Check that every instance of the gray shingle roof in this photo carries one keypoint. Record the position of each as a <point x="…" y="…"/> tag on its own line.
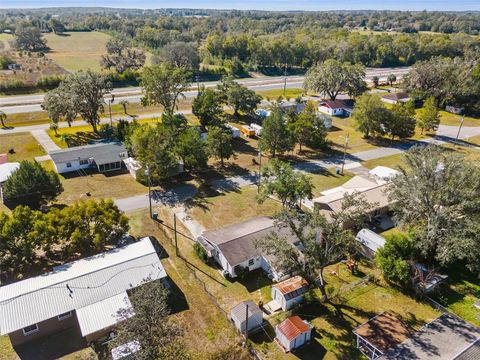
<point x="444" y="339"/>
<point x="237" y="242"/>
<point x="240" y="310"/>
<point x="103" y="153"/>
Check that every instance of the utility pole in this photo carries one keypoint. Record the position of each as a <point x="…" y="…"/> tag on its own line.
<point x="175" y="232"/>
<point x="110" y="101"/>
<point x="459" y="129"/>
<point x="197" y="78"/>
<point x="246" y="322"/>
<point x="259" y="180"/>
<point x="147" y="173"/>
<point x="345" y="152"/>
<point x="285" y="83"/>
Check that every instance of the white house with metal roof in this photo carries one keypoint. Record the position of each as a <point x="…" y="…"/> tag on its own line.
<point x="369" y="242"/>
<point x="87" y="293"/>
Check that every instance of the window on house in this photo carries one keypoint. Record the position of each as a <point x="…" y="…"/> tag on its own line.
<point x="30" y="329"/>
<point x="83" y="162"/>
<point x="69" y="164"/>
<point x="64" y="316"/>
<point x="251" y="262"/>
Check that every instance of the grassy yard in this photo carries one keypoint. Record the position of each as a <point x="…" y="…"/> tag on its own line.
<point x="358" y="301"/>
<point x="224" y="209"/>
<point x="274" y="94"/>
<point x="206" y="329"/>
<point x="460" y="293"/>
<point x="6" y="350"/>
<point x="99" y="186"/>
<point x="24" y="144"/>
<point x="5" y="40"/>
<point x="447" y="118"/>
<point x="327" y="180"/>
<point x="77" y="50"/>
<point x="392" y="161"/>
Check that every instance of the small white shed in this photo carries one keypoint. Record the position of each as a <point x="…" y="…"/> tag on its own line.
<point x="290" y="292"/>
<point x="293" y="333"/>
<point x="370" y="242"/>
<point x="239" y="316"/>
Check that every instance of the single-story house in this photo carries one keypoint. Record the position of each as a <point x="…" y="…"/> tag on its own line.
<point x="290" y="292"/>
<point x="395" y="98"/>
<point x="293" y="333"/>
<point x="291" y="106"/>
<point x="335" y="107"/>
<point x="86" y="294"/>
<point x="446" y="338"/>
<point x="6" y="170"/>
<point x="370" y="242"/>
<point x="234" y="247"/>
<point x="376" y="195"/>
<point x="247" y="312"/>
<point x="103" y="157"/>
<point x="381" y="333"/>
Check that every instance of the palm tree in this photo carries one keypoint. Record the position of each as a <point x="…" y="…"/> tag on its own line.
<point x="124" y="103"/>
<point x="3" y="117"/>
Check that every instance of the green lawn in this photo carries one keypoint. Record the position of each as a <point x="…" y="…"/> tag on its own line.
<point x="227" y="208"/>
<point x="5" y="40"/>
<point x="447" y="118"/>
<point x="274" y="94"/>
<point x="112" y="185"/>
<point x="358" y="301"/>
<point x="460" y="293"/>
<point x="327" y="180"/>
<point x="6" y="350"/>
<point x="392" y="161"/>
<point x="25" y="146"/>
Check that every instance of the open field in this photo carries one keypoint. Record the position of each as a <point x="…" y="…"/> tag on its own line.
<point x="76" y="51"/>
<point x="24" y="145"/>
<point x="5" y="41"/>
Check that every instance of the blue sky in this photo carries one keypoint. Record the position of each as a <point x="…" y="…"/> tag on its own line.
<point x="259" y="4"/>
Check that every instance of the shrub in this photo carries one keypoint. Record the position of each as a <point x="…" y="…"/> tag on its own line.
<point x="200" y="252"/>
<point x="392" y="259"/>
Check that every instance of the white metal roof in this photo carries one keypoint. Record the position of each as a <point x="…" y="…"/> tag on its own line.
<point x="78" y="284"/>
<point x="7" y="169"/>
<point x="383" y="172"/>
<point x="103" y="314"/>
<point x="370" y="239"/>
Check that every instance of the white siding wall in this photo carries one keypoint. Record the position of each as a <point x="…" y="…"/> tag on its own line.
<point x="292" y="302"/>
<point x="389" y="101"/>
<point x="295" y="343"/>
<point x="254" y="321"/>
<point x="286" y="304"/>
<point x="325" y="110"/>
<point x="62" y="167"/>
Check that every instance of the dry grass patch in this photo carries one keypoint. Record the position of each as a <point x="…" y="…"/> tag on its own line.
<point x="25" y="146"/>
<point x="229" y="208"/>
<point x="113" y="185"/>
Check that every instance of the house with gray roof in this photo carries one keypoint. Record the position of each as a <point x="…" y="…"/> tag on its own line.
<point x="86" y="294"/>
<point x="234" y="247"/>
<point x="102" y="157"/>
<point x="446" y="338"/>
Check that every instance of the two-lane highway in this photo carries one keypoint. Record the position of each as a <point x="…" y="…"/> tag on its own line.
<point x="31" y="103"/>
